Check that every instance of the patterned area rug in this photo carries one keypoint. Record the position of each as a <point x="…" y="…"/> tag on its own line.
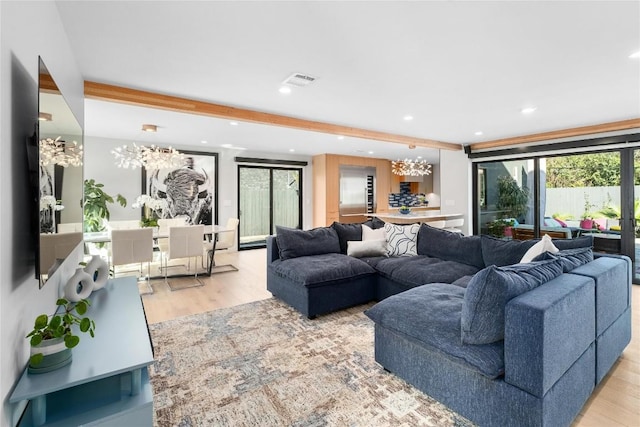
<point x="263" y="364"/>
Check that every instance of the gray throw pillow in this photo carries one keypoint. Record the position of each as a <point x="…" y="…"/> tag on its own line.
<point x="449" y="246"/>
<point x="295" y="243"/>
<point x="579" y="242"/>
<point x="489" y="291"/>
<point x="569" y="258"/>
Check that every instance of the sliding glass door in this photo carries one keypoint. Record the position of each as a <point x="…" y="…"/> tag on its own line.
<point x="565" y="196"/>
<point x="267" y="197"/>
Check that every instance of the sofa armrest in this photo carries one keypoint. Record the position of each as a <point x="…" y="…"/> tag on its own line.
<point x="273" y="252"/>
<point x="547" y="330"/>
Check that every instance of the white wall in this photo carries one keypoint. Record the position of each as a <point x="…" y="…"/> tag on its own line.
<point x="455" y="185"/>
<point x="100" y="165"/>
<point x="27" y="29"/>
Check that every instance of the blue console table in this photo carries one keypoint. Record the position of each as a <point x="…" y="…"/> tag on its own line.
<point x="107" y="382"/>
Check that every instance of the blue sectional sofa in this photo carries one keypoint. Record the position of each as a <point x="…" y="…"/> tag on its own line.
<point x="501" y="343"/>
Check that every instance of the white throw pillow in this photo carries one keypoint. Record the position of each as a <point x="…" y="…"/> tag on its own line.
<point x="362" y="248"/>
<point x="370" y="234"/>
<point x="401" y="239"/>
<point x="544" y="245"/>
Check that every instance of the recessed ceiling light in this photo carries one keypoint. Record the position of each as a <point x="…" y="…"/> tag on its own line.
<point x="370" y="152"/>
<point x="286" y="90"/>
<point x="340" y="137"/>
<point x="408" y="117"/>
<point x="419" y="157"/>
<point x="528" y="110"/>
<point x="203" y="142"/>
<point x="635" y="55"/>
<point x="478" y="133"/>
<point x="150" y="128"/>
<point x="233" y="123"/>
<point x="45" y="117"/>
<point x="226" y="145"/>
<point x="291" y="150"/>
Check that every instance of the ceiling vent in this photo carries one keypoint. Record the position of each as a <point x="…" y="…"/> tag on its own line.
<point x="299" y="80"/>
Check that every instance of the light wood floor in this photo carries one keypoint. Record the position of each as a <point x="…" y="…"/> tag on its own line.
<point x="616" y="401"/>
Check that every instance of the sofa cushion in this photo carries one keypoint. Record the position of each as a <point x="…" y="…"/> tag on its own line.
<point x="366" y="248"/>
<point x="418" y="270"/>
<point x="295" y="243"/>
<point x="503" y="252"/>
<point x="320" y="270"/>
<point x="569" y="258"/>
<point x="430" y="315"/>
<point x="369" y="233"/>
<point x="491" y="289"/>
<point x="463" y="282"/>
<point x="401" y="239"/>
<point x="579" y="242"/>
<point x="450" y="246"/>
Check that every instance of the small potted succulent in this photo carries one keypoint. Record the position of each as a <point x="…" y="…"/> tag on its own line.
<point x="52" y="337"/>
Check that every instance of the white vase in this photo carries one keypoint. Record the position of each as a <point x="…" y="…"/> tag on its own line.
<point x="79" y="286"/>
<point x="98" y="269"/>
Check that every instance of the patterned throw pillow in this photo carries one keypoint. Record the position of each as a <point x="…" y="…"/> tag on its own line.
<point x="401" y="239"/>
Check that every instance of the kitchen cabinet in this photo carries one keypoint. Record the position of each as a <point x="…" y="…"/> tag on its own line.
<point x="326" y="185"/>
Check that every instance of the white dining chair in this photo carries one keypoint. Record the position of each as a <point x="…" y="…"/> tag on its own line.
<point x="454" y="225"/>
<point x="222" y="241"/>
<point x="132" y="246"/>
<point x="70" y="227"/>
<point x="437" y="224"/>
<point x="184" y="242"/>
<point x="54" y="247"/>
<point x="124" y="225"/>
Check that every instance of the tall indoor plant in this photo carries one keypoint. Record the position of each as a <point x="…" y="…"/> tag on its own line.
<point x="96" y="209"/>
<point x="512" y="199"/>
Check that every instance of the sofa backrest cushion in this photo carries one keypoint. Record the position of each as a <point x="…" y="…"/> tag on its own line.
<point x="490" y="290"/>
<point x="448" y="246"/>
<point x="401" y="239"/>
<point x="579" y="242"/>
<point x="295" y="243"/>
<point x="569" y="258"/>
<point x="501" y="252"/>
<point x="347" y="232"/>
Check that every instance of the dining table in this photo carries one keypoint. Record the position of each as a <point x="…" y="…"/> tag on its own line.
<point x="210" y="231"/>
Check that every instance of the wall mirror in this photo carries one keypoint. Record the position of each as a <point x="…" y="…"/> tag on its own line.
<point x="60" y="158"/>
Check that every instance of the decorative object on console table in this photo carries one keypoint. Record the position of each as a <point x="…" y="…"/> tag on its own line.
<point x="79" y="286"/>
<point x="52" y="338"/>
<point x="98" y="270"/>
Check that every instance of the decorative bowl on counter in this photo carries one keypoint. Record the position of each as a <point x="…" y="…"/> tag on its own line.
<point x="404" y="210"/>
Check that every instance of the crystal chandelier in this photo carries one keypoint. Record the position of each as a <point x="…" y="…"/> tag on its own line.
<point x="147" y="157"/>
<point x="411" y="167"/>
<point x="57" y="152"/>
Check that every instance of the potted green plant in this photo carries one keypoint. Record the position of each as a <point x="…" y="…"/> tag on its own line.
<point x="404" y="209"/>
<point x="500" y="227"/>
<point x="512" y="199"/>
<point x="96" y="208"/>
<point x="586" y="220"/>
<point x="53" y="337"/>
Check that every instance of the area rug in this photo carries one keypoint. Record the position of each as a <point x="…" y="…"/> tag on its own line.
<point x="263" y="364"/>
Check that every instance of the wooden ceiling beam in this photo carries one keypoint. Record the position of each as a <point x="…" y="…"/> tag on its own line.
<point x="557" y="134"/>
<point x="105" y="92"/>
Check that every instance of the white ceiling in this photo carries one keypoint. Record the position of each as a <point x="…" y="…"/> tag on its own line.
<point x="458" y="67"/>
